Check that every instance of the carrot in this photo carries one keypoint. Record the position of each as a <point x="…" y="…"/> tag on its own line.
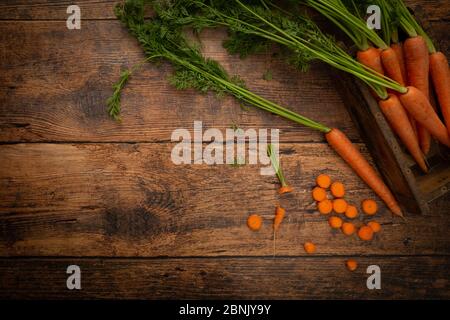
<point x="371" y="58"/>
<point x="417" y="63"/>
<point x="335" y="222"/>
<point x="339" y="205"/>
<point x="323" y="181"/>
<point x="369" y="207"/>
<point x="338" y="189"/>
<point x="391" y="65"/>
<point x="351" y="265"/>
<point x="398" y="48"/>
<point x="279" y="216"/>
<point x="440" y="75"/>
<point x="348" y="228"/>
<point x="344" y="147"/>
<point x="285" y="189"/>
<point x="376" y="227"/>
<point x="351" y="212"/>
<point x="325" y="206"/>
<point x="309" y="247"/>
<point x="417" y="66"/>
<point x="416" y="103"/>
<point x="254" y="222"/>
<point x="399" y="121"/>
<point x="365" y="233"/>
<point x="319" y="194"/>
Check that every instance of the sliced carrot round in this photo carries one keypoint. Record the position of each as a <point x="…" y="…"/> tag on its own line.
<point x="254" y="222"/>
<point x="339" y="205"/>
<point x="351" y="264"/>
<point x="335" y="222"/>
<point x="351" y="212"/>
<point x="323" y="181"/>
<point x="348" y="228"/>
<point x="369" y="207"/>
<point x="365" y="233"/>
<point x="319" y="194"/>
<point x="337" y="189"/>
<point x="310" y="247"/>
<point x="325" y="206"/>
<point x="376" y="227"/>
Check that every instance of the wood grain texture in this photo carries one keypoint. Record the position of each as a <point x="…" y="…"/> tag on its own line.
<point x="103" y="9"/>
<point x="226" y="278"/>
<point x="50" y="93"/>
<point x="130" y="200"/>
<point x="78" y="188"/>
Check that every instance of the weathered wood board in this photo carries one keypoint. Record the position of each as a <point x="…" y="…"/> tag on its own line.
<point x="78" y="188"/>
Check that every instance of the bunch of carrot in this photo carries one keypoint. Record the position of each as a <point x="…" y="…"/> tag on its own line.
<point x="410" y="114"/>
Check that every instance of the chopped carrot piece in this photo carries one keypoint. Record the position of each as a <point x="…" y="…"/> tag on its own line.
<point x="339" y="205"/>
<point x="351" y="212"/>
<point x="335" y="222"/>
<point x="348" y="228"/>
<point x="369" y="207"/>
<point x="376" y="227"/>
<point x="323" y="181"/>
<point x="337" y="189"/>
<point x="351" y="264"/>
<point x="254" y="222"/>
<point x="309" y="247"/>
<point x="325" y="206"/>
<point x="285" y="189"/>
<point x="319" y="194"/>
<point x="365" y="233"/>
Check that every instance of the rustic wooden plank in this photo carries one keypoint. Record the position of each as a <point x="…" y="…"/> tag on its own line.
<point x="95" y="9"/>
<point x="227" y="278"/>
<point x="54" y="85"/>
<point x="131" y="200"/>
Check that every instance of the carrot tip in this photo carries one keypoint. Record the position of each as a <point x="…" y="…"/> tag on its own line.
<point x="285" y="189"/>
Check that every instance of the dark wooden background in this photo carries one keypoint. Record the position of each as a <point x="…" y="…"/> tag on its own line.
<point x="79" y="188"/>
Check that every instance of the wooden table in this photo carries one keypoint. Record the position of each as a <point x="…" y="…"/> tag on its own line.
<point x="77" y="188"/>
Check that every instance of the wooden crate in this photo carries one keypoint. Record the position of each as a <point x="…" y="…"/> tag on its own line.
<point x="414" y="190"/>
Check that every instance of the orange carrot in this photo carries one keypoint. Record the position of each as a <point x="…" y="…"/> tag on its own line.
<point x="376" y="227"/>
<point x="417" y="63"/>
<point x="365" y="233"/>
<point x="391" y="65"/>
<point x="337" y="189"/>
<point x="325" y="206"/>
<point x="309" y="247"/>
<point x="254" y="222"/>
<point x="369" y="207"/>
<point x="323" y="181"/>
<point x="279" y="216"/>
<point x="351" y="264"/>
<point x="348" y="228"/>
<point x="339" y="205"/>
<point x="285" y="189"/>
<point x="417" y="104"/>
<point x="371" y="58"/>
<point x="351" y="212"/>
<point x="398" y="48"/>
<point x="344" y="147"/>
<point x="335" y="222"/>
<point x="319" y="194"/>
<point x="440" y="75"/>
<point x="399" y="121"/>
